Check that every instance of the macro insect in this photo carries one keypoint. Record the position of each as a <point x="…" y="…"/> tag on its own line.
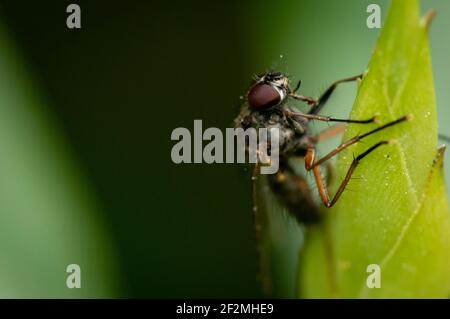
<point x="267" y="106"/>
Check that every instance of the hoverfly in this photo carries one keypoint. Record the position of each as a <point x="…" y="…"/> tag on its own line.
<point x="266" y="106"/>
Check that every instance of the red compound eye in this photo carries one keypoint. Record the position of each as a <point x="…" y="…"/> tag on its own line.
<point x="263" y="96"/>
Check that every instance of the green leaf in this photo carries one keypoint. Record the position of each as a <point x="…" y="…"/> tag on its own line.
<point x="394" y="212"/>
<point x="48" y="217"/>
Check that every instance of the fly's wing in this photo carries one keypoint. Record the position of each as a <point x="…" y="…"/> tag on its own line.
<point x="281" y="238"/>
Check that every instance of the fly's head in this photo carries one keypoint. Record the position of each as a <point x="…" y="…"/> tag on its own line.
<point x="268" y="91"/>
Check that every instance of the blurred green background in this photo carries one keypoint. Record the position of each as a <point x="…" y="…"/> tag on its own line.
<point x="85" y="123"/>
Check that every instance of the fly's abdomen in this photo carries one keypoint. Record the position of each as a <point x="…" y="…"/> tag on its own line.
<point x="293" y="192"/>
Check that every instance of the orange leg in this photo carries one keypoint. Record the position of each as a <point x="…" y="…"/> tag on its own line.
<point x="322" y="187"/>
<point x="356" y="139"/>
<point x="329" y="133"/>
<point x="312" y="164"/>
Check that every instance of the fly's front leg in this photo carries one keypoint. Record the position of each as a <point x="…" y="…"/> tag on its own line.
<point x="318" y="104"/>
<point x="322" y="118"/>
<point x="307" y="99"/>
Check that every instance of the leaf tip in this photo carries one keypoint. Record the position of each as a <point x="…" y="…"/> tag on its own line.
<point x="439" y="159"/>
<point x="441" y="152"/>
<point x="428" y="18"/>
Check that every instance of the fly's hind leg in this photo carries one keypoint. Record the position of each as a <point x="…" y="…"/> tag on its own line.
<point x="322" y="187"/>
<point x="312" y="164"/>
<point x="323" y="192"/>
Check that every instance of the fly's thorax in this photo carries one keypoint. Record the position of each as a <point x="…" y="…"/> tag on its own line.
<point x="291" y="134"/>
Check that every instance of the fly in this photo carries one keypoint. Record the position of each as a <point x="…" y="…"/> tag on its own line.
<point x="266" y="106"/>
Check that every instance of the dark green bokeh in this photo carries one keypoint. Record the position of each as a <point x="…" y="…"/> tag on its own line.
<point x="135" y="71"/>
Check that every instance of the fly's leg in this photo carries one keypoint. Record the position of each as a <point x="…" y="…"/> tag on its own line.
<point x="312" y="164"/>
<point x="356" y="139"/>
<point x="322" y="118"/>
<point x="296" y="87"/>
<point x="324" y="135"/>
<point x="323" y="190"/>
<point x="328" y="133"/>
<point x="318" y="104"/>
<point x="307" y="99"/>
